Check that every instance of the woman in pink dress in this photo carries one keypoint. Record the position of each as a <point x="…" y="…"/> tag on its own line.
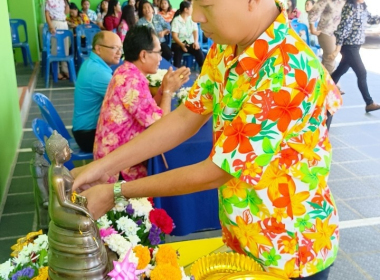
<point x="128" y="107"/>
<point x="127" y="21"/>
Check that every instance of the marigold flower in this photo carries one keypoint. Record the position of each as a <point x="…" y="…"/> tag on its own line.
<point x="167" y="255"/>
<point x="42" y="273"/>
<point x="143" y="254"/>
<point x="166" y="272"/>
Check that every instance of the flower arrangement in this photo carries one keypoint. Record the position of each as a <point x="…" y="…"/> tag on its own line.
<point x="155" y="80"/>
<point x="133" y="229"/>
<point x="30" y="259"/>
<point x="182" y="94"/>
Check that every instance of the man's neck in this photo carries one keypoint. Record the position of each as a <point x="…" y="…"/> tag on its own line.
<point x="271" y="12"/>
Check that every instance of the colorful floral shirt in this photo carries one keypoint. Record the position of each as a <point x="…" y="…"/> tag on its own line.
<point x="81" y="19"/>
<point x="352" y="25"/>
<point x="168" y="17"/>
<point x="127" y="110"/>
<point x="56" y="9"/>
<point x="269" y="107"/>
<point x="328" y="13"/>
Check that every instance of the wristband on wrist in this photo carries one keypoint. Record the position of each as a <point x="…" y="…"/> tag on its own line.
<point x="118" y="196"/>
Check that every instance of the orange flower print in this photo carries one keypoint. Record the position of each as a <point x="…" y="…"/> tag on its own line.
<point x="257" y="56"/>
<point x="286" y="109"/>
<point x="305" y="85"/>
<point x="309" y="145"/>
<point x="287" y="244"/>
<point x="288" y="157"/>
<point x="284" y="50"/>
<point x="291" y="200"/>
<point x="235" y="187"/>
<point x="231" y="241"/>
<point x="250" y="235"/>
<point x="322" y="235"/>
<point x="238" y="134"/>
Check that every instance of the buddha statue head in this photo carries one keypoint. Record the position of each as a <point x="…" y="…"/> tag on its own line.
<point x="57" y="148"/>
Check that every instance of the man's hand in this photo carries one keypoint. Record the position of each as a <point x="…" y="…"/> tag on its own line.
<point x="100" y="199"/>
<point x="173" y="80"/>
<point x="196" y="46"/>
<point x="89" y="175"/>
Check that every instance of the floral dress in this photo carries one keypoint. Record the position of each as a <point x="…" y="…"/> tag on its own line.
<point x="127" y="110"/>
<point x="269" y="107"/>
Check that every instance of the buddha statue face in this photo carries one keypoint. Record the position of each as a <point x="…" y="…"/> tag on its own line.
<point x="38" y="147"/>
<point x="57" y="148"/>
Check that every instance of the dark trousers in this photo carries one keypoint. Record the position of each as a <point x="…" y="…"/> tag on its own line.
<point x="178" y="53"/>
<point x="323" y="275"/>
<point x="85" y="139"/>
<point x="166" y="51"/>
<point x="351" y="58"/>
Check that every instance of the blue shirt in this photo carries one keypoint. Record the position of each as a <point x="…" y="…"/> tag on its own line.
<point x="90" y="88"/>
<point x="158" y="24"/>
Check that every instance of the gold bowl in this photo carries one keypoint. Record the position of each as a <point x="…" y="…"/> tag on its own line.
<point x="217" y="266"/>
<point x="255" y="275"/>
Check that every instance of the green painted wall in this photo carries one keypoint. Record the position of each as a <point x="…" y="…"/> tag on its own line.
<point x="26" y="10"/>
<point x="10" y="122"/>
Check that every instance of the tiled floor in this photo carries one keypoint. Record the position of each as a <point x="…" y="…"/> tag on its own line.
<point x="354" y="179"/>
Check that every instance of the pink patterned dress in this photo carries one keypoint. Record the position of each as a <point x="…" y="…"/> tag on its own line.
<point x="127" y="110"/>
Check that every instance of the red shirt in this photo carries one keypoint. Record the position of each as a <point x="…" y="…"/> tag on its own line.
<point x="111" y="22"/>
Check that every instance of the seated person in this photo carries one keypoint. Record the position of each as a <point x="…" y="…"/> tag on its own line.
<point x="304" y="19"/>
<point x="185" y="35"/>
<point x="112" y="18"/>
<point x="91" y="86"/>
<point x="76" y="17"/>
<point x="87" y="11"/>
<point x="127" y="21"/>
<point x="129" y="108"/>
<point x="166" y="11"/>
<point x="292" y="10"/>
<point x="149" y="18"/>
<point x="102" y="13"/>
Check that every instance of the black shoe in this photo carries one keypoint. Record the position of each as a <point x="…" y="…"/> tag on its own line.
<point x="372" y="107"/>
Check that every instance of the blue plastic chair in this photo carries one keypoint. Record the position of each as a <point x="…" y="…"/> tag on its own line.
<point x="60" y="36"/>
<point x="84" y="35"/>
<point x="16" y="41"/>
<point x="42" y="130"/>
<point x="45" y="30"/>
<point x="298" y="27"/>
<point x="51" y="116"/>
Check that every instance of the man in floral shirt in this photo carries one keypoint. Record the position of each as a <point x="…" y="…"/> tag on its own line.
<point x="268" y="96"/>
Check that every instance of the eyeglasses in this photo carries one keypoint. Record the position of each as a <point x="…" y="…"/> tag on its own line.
<point x="151" y="51"/>
<point x="113" y="48"/>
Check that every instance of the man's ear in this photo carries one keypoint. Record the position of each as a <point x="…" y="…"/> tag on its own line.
<point x="142" y="56"/>
<point x="97" y="49"/>
<point x="252" y="4"/>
